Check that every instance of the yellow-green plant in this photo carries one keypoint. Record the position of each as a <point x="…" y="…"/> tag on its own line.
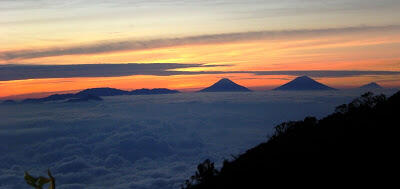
<point x="38" y="182"/>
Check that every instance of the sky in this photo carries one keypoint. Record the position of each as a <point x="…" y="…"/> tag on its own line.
<point x="191" y="44"/>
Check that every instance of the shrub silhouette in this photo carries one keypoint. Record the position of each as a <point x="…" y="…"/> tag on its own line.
<point x="358" y="140"/>
<point x="205" y="171"/>
<point x="38" y="182"/>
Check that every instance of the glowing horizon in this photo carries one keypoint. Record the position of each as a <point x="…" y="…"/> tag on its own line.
<point x="231" y="36"/>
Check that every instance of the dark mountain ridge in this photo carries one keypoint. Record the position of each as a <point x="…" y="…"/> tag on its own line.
<point x="99" y="92"/>
<point x="102" y="92"/>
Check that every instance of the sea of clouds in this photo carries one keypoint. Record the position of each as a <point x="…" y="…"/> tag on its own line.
<point x="153" y="141"/>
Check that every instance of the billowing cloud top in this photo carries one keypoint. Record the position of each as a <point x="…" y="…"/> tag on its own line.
<point x="142" y="142"/>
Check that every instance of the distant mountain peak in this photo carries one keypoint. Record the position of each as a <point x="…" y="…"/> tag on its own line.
<point x="371" y="85"/>
<point x="303" y="83"/>
<point x="304" y="77"/>
<point x="225" y="85"/>
<point x="226" y="81"/>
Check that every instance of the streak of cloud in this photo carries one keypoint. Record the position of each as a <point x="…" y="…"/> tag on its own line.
<point x="134" y="45"/>
<point x="20" y="72"/>
<point x="328" y="73"/>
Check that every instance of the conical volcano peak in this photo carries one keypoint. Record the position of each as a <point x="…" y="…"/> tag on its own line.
<point x="225" y="85"/>
<point x="304" y="83"/>
<point x="371" y="85"/>
<point x="304" y="77"/>
<point x="225" y="81"/>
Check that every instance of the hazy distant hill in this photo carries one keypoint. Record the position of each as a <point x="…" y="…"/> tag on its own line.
<point x="303" y="83"/>
<point x="102" y="92"/>
<point x="153" y="91"/>
<point x="85" y="98"/>
<point x="6" y="102"/>
<point x="372" y="85"/>
<point x="355" y="145"/>
<point x="225" y="85"/>
<point x="98" y="92"/>
<point x="54" y="97"/>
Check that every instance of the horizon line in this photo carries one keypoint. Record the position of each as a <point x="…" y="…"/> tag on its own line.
<point x="262" y="88"/>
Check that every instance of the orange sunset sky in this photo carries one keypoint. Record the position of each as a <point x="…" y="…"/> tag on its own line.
<point x="247" y="41"/>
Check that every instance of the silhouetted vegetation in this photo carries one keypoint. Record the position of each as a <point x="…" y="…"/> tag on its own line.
<point x="359" y="140"/>
<point x="205" y="171"/>
<point x="39" y="182"/>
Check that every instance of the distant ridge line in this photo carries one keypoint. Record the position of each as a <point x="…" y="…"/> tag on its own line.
<point x="98" y="92"/>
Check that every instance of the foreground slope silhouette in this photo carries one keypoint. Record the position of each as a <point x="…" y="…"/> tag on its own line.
<point x="225" y="85"/>
<point x="303" y="83"/>
<point x="354" y="145"/>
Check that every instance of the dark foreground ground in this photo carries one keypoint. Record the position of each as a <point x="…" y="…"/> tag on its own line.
<point x="354" y="146"/>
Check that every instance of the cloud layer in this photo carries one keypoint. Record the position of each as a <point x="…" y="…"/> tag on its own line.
<point x="107" y="47"/>
<point x="142" y="142"/>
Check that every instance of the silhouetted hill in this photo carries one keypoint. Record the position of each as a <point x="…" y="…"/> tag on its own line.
<point x="372" y="85"/>
<point x="102" y="92"/>
<point x="356" y="145"/>
<point x="54" y="97"/>
<point x="303" y="83"/>
<point x="86" y="98"/>
<point x="8" y="102"/>
<point x="99" y="92"/>
<point x="153" y="91"/>
<point x="225" y="85"/>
